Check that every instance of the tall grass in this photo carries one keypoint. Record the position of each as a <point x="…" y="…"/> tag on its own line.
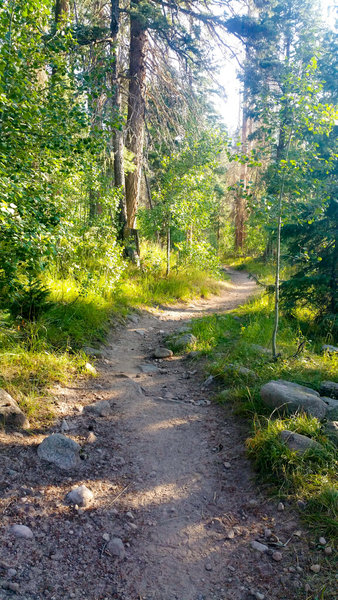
<point x="34" y="356"/>
<point x="242" y="339"/>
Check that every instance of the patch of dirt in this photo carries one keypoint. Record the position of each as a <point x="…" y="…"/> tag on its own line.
<point x="156" y="468"/>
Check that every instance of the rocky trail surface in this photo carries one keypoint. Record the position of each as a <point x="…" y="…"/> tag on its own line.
<point x="172" y="511"/>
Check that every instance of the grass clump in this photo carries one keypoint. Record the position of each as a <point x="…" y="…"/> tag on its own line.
<point x="310" y="476"/>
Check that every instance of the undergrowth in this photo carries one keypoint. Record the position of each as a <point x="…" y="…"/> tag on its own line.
<point x="35" y="355"/>
<point x="242" y="338"/>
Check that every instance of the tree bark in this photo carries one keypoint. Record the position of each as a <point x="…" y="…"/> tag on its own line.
<point x="119" y="177"/>
<point x="61" y="10"/>
<point x="240" y="202"/>
<point x="136" y="107"/>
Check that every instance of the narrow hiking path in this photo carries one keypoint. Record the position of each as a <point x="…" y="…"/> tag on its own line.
<point x="170" y="479"/>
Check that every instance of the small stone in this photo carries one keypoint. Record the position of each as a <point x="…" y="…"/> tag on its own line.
<point x="102" y="408"/>
<point x="280" y="506"/>
<point x="297" y="533"/>
<point x="299" y="569"/>
<point x="259" y="596"/>
<point x="322" y="541"/>
<point x="267" y="533"/>
<point x="93" y="352"/>
<point x="82" y="496"/>
<point x="227" y="465"/>
<point x="60" y="450"/>
<point x="307" y="588"/>
<point x="315" y="568"/>
<point x="208" y="567"/>
<point x="230" y="534"/>
<point x="10" y="413"/>
<point x="13" y="587"/>
<point x="130" y="515"/>
<point x="259" y="547"/>
<point x="64" y="425"/>
<point x="91" y="438"/>
<point x="163" y="353"/>
<point x="277" y="556"/>
<point x="292" y="570"/>
<point x="116" y="548"/>
<point x="328" y="550"/>
<point x="208" y="381"/>
<point x="106" y="537"/>
<point x="11" y="572"/>
<point x="90" y="369"/>
<point x="22" y="531"/>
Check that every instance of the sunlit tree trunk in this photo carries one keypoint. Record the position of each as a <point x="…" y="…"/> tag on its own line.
<point x="136" y="107"/>
<point x="118" y="144"/>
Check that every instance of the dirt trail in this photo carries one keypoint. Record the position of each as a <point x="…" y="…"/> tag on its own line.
<point x="160" y="456"/>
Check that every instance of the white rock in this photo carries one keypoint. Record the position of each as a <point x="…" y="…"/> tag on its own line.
<point x="90" y="369"/>
<point x="106" y="537"/>
<point x="328" y="550"/>
<point x="81" y="495"/>
<point x="280" y="506"/>
<point x="322" y="541"/>
<point x="22" y="531"/>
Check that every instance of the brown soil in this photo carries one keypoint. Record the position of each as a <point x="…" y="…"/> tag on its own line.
<point x="160" y="456"/>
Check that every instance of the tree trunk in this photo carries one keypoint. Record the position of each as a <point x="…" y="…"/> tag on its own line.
<point x="119" y="177"/>
<point x="61" y="10"/>
<point x="136" y="106"/>
<point x="240" y="202"/>
<point x="168" y="250"/>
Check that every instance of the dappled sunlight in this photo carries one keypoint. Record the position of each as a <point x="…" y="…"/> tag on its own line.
<point x="170" y="423"/>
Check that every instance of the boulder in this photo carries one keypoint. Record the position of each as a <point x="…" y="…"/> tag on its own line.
<point x="184" y="340"/>
<point x="331" y="430"/>
<point x="102" y="408"/>
<point x="163" y="353"/>
<point x="290" y="397"/>
<point x="94" y="352"/>
<point x="298" y="442"/>
<point x="10" y="413"/>
<point x="329" y="349"/>
<point x="332" y="408"/>
<point x="81" y="495"/>
<point x="60" y="450"/>
<point x="329" y="388"/>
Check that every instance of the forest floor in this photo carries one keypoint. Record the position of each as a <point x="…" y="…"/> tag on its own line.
<point x="170" y="478"/>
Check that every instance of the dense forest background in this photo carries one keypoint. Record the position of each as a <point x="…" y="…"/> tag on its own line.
<point x="109" y="142"/>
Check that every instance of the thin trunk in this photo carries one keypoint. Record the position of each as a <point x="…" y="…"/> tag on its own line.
<point x="240" y="202"/>
<point x="277" y="281"/>
<point x="168" y="250"/>
<point x="136" y="106"/>
<point x="151" y="206"/>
